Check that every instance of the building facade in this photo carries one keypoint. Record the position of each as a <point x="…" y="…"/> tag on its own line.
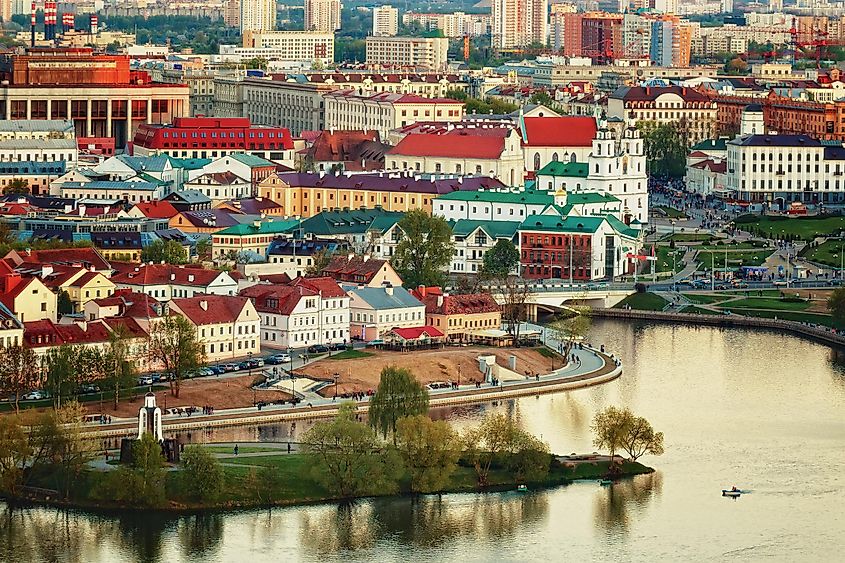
<point x="385" y="21"/>
<point x="519" y="23"/>
<point x="418" y="53"/>
<point x="257" y="15"/>
<point x="322" y="15"/>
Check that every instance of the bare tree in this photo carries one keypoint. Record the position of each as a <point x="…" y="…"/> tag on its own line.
<point x="515" y="296"/>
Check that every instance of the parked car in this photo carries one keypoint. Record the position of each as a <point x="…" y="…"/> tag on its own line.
<point x="145" y="380"/>
<point x="88" y="388"/>
<point x="740" y="284"/>
<point x="779" y="283"/>
<point x="35" y="396"/>
<point x="229" y="367"/>
<point x="258" y="362"/>
<point x="338" y="346"/>
<point x="277" y="359"/>
<point x="215" y="370"/>
<point x="317" y="349"/>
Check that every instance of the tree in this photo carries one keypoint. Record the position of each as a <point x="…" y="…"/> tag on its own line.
<point x="145" y="483"/>
<point x="120" y="373"/>
<point x="173" y="343"/>
<point x="836" y="304"/>
<point x="610" y="427"/>
<point x="640" y="439"/>
<point x="485" y="442"/>
<point x="399" y="394"/>
<point x="430" y="451"/>
<point x="18" y="186"/>
<point x="202" y="475"/>
<point x="346" y="457"/>
<point x="567" y="330"/>
<point x="64" y="306"/>
<point x="167" y="251"/>
<point x="515" y="296"/>
<point x="529" y="457"/>
<point x="425" y="249"/>
<point x="18" y="371"/>
<point x="15" y="452"/>
<point x="500" y="260"/>
<point x="736" y="66"/>
<point x="319" y="261"/>
<point x="59" y="366"/>
<point x="665" y="148"/>
<point x="71" y="449"/>
<point x="203" y="249"/>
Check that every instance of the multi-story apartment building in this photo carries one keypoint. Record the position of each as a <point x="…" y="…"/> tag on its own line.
<point x="457" y="24"/>
<point x="385" y="21"/>
<point x="557" y="25"/>
<point x="419" y="53"/>
<point x="298" y="107"/>
<point x="282" y="46"/>
<point x="519" y="23"/>
<point x="322" y="15"/>
<point x="257" y="15"/>
<point x="694" y="112"/>
<point x="99" y="93"/>
<point x="823" y="121"/>
<point x="383" y="112"/>
<point x="671" y="40"/>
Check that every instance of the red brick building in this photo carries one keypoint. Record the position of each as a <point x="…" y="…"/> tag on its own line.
<point x="823" y="121"/>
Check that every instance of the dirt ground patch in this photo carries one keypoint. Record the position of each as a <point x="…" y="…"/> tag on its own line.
<point x="445" y="364"/>
<point x="222" y="393"/>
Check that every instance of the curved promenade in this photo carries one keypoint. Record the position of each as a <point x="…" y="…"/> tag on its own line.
<point x="595" y="368"/>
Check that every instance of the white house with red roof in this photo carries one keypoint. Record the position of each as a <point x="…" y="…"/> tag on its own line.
<point x="301" y="313"/>
<point x="485" y="150"/>
<point x="89" y="258"/>
<point x="556" y="139"/>
<point x="26" y="296"/>
<point x="376" y="310"/>
<point x="166" y="281"/>
<point x="227" y="325"/>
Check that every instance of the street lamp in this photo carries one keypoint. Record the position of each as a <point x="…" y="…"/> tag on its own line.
<point x="249" y="363"/>
<point x="336" y="377"/>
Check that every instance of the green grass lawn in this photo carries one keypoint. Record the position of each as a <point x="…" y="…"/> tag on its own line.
<point x="671" y="212"/>
<point x="757" y="292"/>
<point x="765" y="303"/>
<point x="241" y="449"/>
<point x="805" y="228"/>
<point x="643" y="302"/>
<point x="664" y="260"/>
<point x="108" y="397"/>
<point x="828" y="253"/>
<point x="691" y="237"/>
<point x="732" y="247"/>
<point x="692" y="309"/>
<point x="815" y="318"/>
<point x="735" y="259"/>
<point x="547" y="352"/>
<point x="350" y="355"/>
<point x="704" y="298"/>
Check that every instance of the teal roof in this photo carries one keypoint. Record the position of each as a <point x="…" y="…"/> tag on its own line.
<point x="151" y="179"/>
<point x="559" y="224"/>
<point x="353" y="221"/>
<point x="144" y="163"/>
<point x="495" y="229"/>
<point x="188" y="163"/>
<point x="622" y="228"/>
<point x="265" y="228"/>
<point x="586" y="198"/>
<point x="572" y="169"/>
<point x="719" y="144"/>
<point x="378" y="298"/>
<point x="250" y="159"/>
<point x="528" y="197"/>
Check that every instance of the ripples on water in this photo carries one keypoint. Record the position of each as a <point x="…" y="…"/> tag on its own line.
<point x="758" y="410"/>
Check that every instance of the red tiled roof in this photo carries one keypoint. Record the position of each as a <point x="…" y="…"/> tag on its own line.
<point x="466" y="304"/>
<point x="161" y="274"/>
<point x="275" y="278"/>
<point x="63" y="256"/>
<point x="450" y="146"/>
<point x="217" y="308"/>
<point x="277" y="299"/>
<point x="131" y="304"/>
<point x="565" y="131"/>
<point x="129" y="324"/>
<point x="46" y="333"/>
<point x="157" y="209"/>
<point x="355" y="270"/>
<point x="698" y="154"/>
<point x="718" y="167"/>
<point x="415" y="332"/>
<point x="324" y="285"/>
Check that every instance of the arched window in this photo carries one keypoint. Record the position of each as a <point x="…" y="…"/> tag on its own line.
<point x="536" y="161"/>
<point x="572" y="158"/>
<point x="554" y="157"/>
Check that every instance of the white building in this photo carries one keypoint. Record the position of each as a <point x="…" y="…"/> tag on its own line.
<point x="376" y="310"/>
<point x="165" y="281"/>
<point x="39" y="150"/>
<point x="257" y="15"/>
<point x="519" y="23"/>
<point x="220" y="186"/>
<point x="227" y="326"/>
<point x="385" y="21"/>
<point x="419" y="53"/>
<point x="306" y="46"/>
<point x="305" y="312"/>
<point x="322" y="15"/>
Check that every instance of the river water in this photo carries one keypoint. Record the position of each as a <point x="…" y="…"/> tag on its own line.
<point x="758" y="410"/>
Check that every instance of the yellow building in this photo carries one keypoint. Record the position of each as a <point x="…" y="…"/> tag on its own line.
<point x="253" y="237"/>
<point x="465" y="317"/>
<point x="26" y="297"/>
<point x="306" y="194"/>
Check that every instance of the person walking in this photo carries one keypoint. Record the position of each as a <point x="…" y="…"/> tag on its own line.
<point x="236" y="449"/>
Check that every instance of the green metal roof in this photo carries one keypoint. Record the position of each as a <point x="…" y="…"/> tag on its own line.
<point x="570" y="169"/>
<point x="586" y="198"/>
<point x="622" y="228"/>
<point x="528" y="197"/>
<point x="558" y="224"/>
<point x="494" y="229"/>
<point x="250" y="159"/>
<point x="351" y="221"/>
<point x="188" y="163"/>
<point x="719" y="144"/>
<point x="266" y="228"/>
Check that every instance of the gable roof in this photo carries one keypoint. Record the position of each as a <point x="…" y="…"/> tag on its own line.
<point x="211" y="309"/>
<point x="494" y="229"/>
<point x="379" y="298"/>
<point x="350" y="221"/>
<point x="157" y="209"/>
<point x="164" y="274"/>
<point x="275" y="298"/>
<point x="86" y="257"/>
<point x="569" y="169"/>
<point x="323" y="285"/>
<point x="355" y="269"/>
<point x="564" y="131"/>
<point x="265" y="227"/>
<point x="415" y="332"/>
<point x="450" y="146"/>
<point x="464" y="304"/>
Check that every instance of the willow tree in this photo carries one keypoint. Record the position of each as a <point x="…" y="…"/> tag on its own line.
<point x="399" y="394"/>
<point x="174" y="344"/>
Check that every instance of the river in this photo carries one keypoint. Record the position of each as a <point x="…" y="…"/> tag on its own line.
<point x="755" y="409"/>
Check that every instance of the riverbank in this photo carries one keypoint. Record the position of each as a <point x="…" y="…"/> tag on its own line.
<point x="821" y="334"/>
<point x="292" y="486"/>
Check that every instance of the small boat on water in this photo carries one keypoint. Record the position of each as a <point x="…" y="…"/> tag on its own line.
<point x="732" y="493"/>
<point x="605" y="482"/>
<point x="521" y="489"/>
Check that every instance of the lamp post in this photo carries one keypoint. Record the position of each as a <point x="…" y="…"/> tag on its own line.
<point x="249" y="362"/>
<point x="336" y="377"/>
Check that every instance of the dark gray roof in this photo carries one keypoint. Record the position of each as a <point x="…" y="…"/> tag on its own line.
<point x="776" y="141"/>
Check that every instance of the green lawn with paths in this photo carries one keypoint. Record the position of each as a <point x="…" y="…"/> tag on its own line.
<point x="716" y="258"/>
<point x="704" y="299"/>
<point x="765" y="303"/>
<point x="664" y="260"/>
<point x="351" y="355"/>
<point x="691" y="237"/>
<point x="671" y="212"/>
<point x="777" y="227"/>
<point x="643" y="302"/>
<point x="828" y="253"/>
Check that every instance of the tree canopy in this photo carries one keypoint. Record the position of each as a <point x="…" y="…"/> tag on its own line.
<point x="425" y="249"/>
<point x="398" y="395"/>
<point x="202" y="475"/>
<point x="167" y="251"/>
<point x="430" y="450"/>
<point x="173" y="343"/>
<point x="836" y="304"/>
<point x="666" y="148"/>
<point x="619" y="429"/>
<point x="498" y="437"/>
<point x="500" y="260"/>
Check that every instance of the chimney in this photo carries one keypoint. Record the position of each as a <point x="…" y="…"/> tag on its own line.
<point x="46" y="270"/>
<point x="421" y="289"/>
<point x="204" y="305"/>
<point x="190" y="277"/>
<point x="350" y="256"/>
<point x="172" y="276"/>
<point x="366" y="257"/>
<point x="389" y="290"/>
<point x="440" y="300"/>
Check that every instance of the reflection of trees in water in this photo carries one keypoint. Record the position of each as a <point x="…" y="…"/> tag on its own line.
<point x="346" y="527"/>
<point x="613" y="503"/>
<point x="47" y="534"/>
<point x="200" y="534"/>
<point x="421" y="521"/>
<point x="141" y="534"/>
<point x="836" y="358"/>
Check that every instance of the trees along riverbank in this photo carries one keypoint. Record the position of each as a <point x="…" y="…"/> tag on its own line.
<point x="402" y="451"/>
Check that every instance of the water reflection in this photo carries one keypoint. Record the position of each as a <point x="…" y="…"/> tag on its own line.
<point x="614" y="504"/>
<point x="200" y="535"/>
<point x="348" y="526"/>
